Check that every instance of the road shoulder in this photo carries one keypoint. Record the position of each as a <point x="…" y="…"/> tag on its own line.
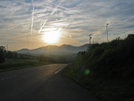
<point x="61" y="88"/>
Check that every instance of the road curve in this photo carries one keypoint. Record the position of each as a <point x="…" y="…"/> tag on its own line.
<point x="43" y="83"/>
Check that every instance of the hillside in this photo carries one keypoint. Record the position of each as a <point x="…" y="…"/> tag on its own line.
<point x="107" y="70"/>
<point x="56" y="50"/>
<point x="23" y="50"/>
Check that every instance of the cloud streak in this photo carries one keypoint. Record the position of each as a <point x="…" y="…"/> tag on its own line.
<point x="55" y="9"/>
<point x="76" y="18"/>
<point x="43" y="25"/>
<point x="32" y="18"/>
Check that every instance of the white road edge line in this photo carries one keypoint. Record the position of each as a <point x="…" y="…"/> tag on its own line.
<point x="60" y="69"/>
<point x="9" y="77"/>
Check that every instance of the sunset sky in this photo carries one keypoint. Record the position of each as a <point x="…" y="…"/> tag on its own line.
<point x="35" y="23"/>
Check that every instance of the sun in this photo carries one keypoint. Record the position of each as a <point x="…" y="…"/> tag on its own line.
<point x="51" y="37"/>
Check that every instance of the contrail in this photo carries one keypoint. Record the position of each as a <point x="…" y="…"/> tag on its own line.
<point x="60" y="6"/>
<point x="42" y="26"/>
<point x="32" y="18"/>
<point x="56" y="8"/>
<point x="53" y="11"/>
<point x="50" y="15"/>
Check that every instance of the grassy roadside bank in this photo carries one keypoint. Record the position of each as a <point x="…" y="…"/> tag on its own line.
<point x="103" y="89"/>
<point x="106" y="70"/>
<point x="20" y="64"/>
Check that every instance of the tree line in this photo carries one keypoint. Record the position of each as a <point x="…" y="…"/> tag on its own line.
<point x="4" y="55"/>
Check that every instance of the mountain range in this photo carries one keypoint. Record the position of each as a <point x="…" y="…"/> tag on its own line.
<point x="56" y="50"/>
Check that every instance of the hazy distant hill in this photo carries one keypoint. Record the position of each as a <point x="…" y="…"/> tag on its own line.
<point x="56" y="50"/>
<point x="23" y="50"/>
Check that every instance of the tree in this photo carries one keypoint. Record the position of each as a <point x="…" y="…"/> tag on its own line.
<point x="43" y="58"/>
<point x="10" y="54"/>
<point x="2" y="49"/>
<point x="2" y="58"/>
<point x="15" y="55"/>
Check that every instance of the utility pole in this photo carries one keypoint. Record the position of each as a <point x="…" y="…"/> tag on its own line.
<point x="90" y="38"/>
<point x="107" y="31"/>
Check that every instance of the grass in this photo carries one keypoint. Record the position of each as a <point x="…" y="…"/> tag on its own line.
<point x="106" y="70"/>
<point x="20" y="64"/>
<point x="103" y="89"/>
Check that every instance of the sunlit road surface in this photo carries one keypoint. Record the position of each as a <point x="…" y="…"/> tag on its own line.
<point x="43" y="83"/>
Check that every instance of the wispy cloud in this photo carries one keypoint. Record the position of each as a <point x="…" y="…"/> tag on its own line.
<point x="43" y="25"/>
<point x="32" y="18"/>
<point x="76" y="18"/>
<point x="55" y="9"/>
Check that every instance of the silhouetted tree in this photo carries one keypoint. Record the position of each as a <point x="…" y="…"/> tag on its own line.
<point x="9" y="54"/>
<point x="2" y="50"/>
<point x="2" y="58"/>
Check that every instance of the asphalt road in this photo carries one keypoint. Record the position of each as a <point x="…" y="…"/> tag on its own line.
<point x="43" y="83"/>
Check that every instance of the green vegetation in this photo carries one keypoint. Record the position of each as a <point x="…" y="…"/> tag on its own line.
<point x="43" y="58"/>
<point x="20" y="64"/>
<point x="2" y="58"/>
<point x="57" y="58"/>
<point x="107" y="70"/>
<point x="11" y="60"/>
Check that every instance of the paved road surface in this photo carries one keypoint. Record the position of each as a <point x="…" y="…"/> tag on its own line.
<point x="43" y="83"/>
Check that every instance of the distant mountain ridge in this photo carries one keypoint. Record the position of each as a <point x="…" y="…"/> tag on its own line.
<point x="56" y="50"/>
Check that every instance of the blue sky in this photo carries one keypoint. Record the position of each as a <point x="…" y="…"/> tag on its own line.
<point x="24" y="22"/>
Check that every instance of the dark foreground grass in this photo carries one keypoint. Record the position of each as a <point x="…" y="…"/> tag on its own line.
<point x="103" y="89"/>
<point x="20" y="64"/>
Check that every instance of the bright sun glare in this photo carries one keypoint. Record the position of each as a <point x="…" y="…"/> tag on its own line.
<point x="51" y="36"/>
